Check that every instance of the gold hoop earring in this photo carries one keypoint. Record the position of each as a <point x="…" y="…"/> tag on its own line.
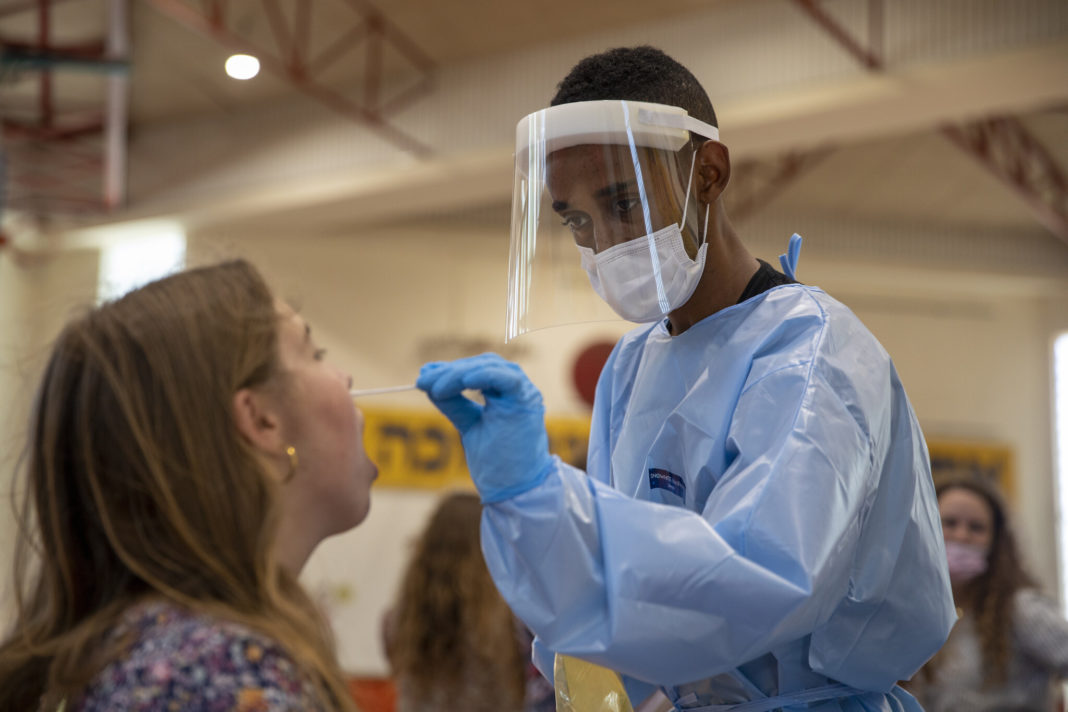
<point x="293" y="462"/>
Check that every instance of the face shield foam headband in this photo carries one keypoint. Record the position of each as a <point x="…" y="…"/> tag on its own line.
<point x="632" y="123"/>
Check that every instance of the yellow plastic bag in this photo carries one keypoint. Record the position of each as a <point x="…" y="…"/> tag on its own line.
<point x="584" y="687"/>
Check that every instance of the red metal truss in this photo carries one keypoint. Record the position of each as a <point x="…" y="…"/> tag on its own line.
<point x="55" y="126"/>
<point x="36" y="55"/>
<point x="294" y="58"/>
<point x="56" y="161"/>
<point x="755" y="183"/>
<point x="871" y="56"/>
<point x="55" y="176"/>
<point x="20" y="6"/>
<point x="1008" y="150"/>
<point x="4" y="239"/>
<point x="1002" y="145"/>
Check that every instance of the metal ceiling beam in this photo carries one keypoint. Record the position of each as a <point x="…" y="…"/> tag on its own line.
<point x="44" y="23"/>
<point x="871" y="56"/>
<point x="16" y="55"/>
<point x="117" y="107"/>
<point x="35" y="131"/>
<point x="54" y="161"/>
<point x="4" y="239"/>
<point x="55" y="177"/>
<point x="15" y="8"/>
<point x="294" y="59"/>
<point x="754" y="183"/>
<point x="1008" y="150"/>
<point x="1002" y="145"/>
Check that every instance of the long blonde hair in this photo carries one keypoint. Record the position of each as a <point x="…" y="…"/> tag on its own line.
<point x="137" y="483"/>
<point x="449" y="619"/>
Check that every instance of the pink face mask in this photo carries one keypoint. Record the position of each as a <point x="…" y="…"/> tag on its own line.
<point x="965" y="562"/>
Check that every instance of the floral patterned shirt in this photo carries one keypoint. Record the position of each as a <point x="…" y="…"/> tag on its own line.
<point x="177" y="659"/>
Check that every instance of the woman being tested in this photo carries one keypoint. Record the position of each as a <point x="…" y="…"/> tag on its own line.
<point x="757" y="527"/>
<point x="189" y="448"/>
<point x="1011" y="642"/>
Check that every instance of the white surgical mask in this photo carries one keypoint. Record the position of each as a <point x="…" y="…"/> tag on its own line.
<point x="646" y="278"/>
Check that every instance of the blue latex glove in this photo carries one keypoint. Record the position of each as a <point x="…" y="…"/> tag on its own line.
<point x="504" y="440"/>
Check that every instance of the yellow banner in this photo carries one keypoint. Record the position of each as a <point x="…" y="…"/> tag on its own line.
<point x="421" y="449"/>
<point x="991" y="461"/>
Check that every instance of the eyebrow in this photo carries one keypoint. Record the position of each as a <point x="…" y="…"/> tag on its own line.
<point x="307" y="332"/>
<point x="608" y="190"/>
<point x="614" y="189"/>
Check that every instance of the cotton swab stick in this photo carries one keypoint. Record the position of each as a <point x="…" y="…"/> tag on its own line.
<point x="377" y="391"/>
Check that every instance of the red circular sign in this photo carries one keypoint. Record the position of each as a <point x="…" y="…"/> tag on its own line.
<point x="587" y="368"/>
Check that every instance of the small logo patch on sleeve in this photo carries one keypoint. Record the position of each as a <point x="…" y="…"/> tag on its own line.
<point x="662" y="479"/>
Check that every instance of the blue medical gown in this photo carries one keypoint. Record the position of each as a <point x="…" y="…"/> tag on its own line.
<point x="758" y="515"/>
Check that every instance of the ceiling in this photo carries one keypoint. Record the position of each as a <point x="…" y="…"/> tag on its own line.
<point x="176" y="72"/>
<point x="924" y="175"/>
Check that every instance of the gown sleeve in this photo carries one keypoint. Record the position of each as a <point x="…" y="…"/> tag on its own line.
<point x="668" y="595"/>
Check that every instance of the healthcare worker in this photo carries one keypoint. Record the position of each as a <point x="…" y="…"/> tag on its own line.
<point x="757" y="528"/>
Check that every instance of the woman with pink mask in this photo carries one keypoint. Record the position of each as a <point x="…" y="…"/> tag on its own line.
<point x="1010" y="643"/>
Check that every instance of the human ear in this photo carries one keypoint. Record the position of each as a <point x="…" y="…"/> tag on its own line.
<point x="713" y="171"/>
<point x="257" y="420"/>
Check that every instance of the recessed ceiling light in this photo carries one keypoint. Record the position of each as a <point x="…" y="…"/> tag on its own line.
<point x="242" y="66"/>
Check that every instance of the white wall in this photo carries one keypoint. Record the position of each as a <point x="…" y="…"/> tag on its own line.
<point x="37" y="295"/>
<point x="978" y="370"/>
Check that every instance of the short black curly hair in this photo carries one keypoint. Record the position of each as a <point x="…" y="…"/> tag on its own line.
<point x="641" y="73"/>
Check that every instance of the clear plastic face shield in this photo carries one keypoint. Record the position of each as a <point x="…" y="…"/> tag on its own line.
<point x="604" y="196"/>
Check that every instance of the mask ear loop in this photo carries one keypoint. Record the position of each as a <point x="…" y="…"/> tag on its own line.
<point x="704" y="236"/>
<point x="686" y="203"/>
<point x="689" y="184"/>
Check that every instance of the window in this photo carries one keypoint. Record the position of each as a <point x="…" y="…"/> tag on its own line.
<point x="1060" y="395"/>
<point x="138" y="254"/>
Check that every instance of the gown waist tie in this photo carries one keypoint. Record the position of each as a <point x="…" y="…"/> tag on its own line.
<point x="814" y="694"/>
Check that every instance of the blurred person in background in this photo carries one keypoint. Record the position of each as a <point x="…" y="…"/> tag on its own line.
<point x="1010" y="643"/>
<point x="452" y="641"/>
<point x="189" y="448"/>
